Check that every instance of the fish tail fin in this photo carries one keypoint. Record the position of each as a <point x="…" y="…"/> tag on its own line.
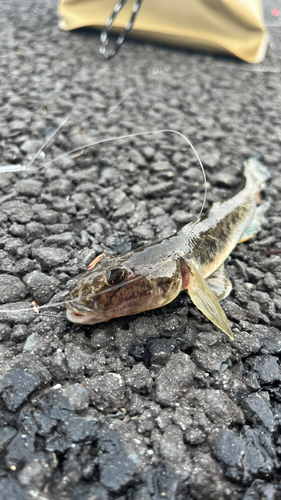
<point x="256" y="170"/>
<point x="256" y="222"/>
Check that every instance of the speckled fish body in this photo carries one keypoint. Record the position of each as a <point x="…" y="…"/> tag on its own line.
<point x="192" y="259"/>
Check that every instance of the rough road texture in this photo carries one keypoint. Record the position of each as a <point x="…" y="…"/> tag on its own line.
<point x="161" y="405"/>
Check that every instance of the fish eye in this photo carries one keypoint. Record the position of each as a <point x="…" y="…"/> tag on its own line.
<point x="115" y="276"/>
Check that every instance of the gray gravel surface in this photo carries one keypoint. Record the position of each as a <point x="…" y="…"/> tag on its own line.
<point x="160" y="405"/>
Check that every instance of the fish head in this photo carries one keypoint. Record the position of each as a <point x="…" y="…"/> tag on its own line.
<point x="122" y="286"/>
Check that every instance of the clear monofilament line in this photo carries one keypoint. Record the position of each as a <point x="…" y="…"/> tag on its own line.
<point x="18" y="167"/>
<point x="139" y="134"/>
<point x="47" y="141"/>
<point x="36" y="309"/>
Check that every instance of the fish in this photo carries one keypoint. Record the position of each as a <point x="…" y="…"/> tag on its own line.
<point x="191" y="259"/>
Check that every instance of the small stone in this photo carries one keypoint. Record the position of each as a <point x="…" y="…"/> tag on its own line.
<point x="45" y="424"/>
<point x="58" y="366"/>
<point x="243" y="458"/>
<point x="17" y="229"/>
<point x="246" y="343"/>
<point x="234" y="312"/>
<point x="182" y="418"/>
<point x="79" y="429"/>
<point x="194" y="436"/>
<point x="207" y="480"/>
<point x="164" y="418"/>
<point x="137" y="191"/>
<point x="270" y="281"/>
<point x="267" y="369"/>
<point x="271" y="341"/>
<point x="272" y="263"/>
<point x="49" y="257"/>
<point x="20" y="450"/>
<point x="107" y="392"/>
<point x="48" y="216"/>
<point x="19" y="333"/>
<point x="56" y="442"/>
<point x="160" y="166"/>
<point x="135" y="405"/>
<point x="10" y="489"/>
<point x="20" y="382"/>
<point x="117" y="468"/>
<point x="24" y="266"/>
<point x="182" y="217"/>
<point x="155" y="190"/>
<point x="254" y="275"/>
<point x="219" y="408"/>
<point x="119" y="243"/>
<point x="262" y="298"/>
<point x="253" y="311"/>
<point x="62" y="239"/>
<point x="148" y="152"/>
<point x="15" y="316"/>
<point x="229" y="450"/>
<point x="11" y="289"/>
<point x="77" y="361"/>
<point x="69" y="397"/>
<point x="126" y="209"/>
<point x="61" y="187"/>
<point x="210" y="160"/>
<point x="212" y="359"/>
<point x="172" y="447"/>
<point x="5" y="331"/>
<point x="40" y="286"/>
<point x="28" y="187"/>
<point x="138" y="378"/>
<point x="261" y="489"/>
<point x="257" y="460"/>
<point x="6" y="435"/>
<point x="174" y="379"/>
<point x="18" y="211"/>
<point x="259" y="412"/>
<point x="144" y="231"/>
<point x="38" y="470"/>
<point x="225" y="178"/>
<point x="30" y="146"/>
<point x="13" y="244"/>
<point x="37" y="345"/>
<point x="35" y="229"/>
<point x="145" y="422"/>
<point x="77" y="396"/>
<point x="159" y="351"/>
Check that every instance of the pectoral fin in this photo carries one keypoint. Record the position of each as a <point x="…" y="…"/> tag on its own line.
<point x="219" y="282"/>
<point x="205" y="300"/>
<point x="256" y="223"/>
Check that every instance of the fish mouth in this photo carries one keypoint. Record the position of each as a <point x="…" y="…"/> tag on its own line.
<point x="81" y="319"/>
<point x="78" y="313"/>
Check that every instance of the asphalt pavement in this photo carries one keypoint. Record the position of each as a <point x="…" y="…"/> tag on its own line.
<point x="162" y="404"/>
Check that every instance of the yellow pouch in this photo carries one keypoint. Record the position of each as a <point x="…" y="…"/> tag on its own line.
<point x="225" y="26"/>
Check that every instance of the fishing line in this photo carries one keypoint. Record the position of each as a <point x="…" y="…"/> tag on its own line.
<point x="36" y="309"/>
<point x="18" y="167"/>
<point x="139" y="134"/>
